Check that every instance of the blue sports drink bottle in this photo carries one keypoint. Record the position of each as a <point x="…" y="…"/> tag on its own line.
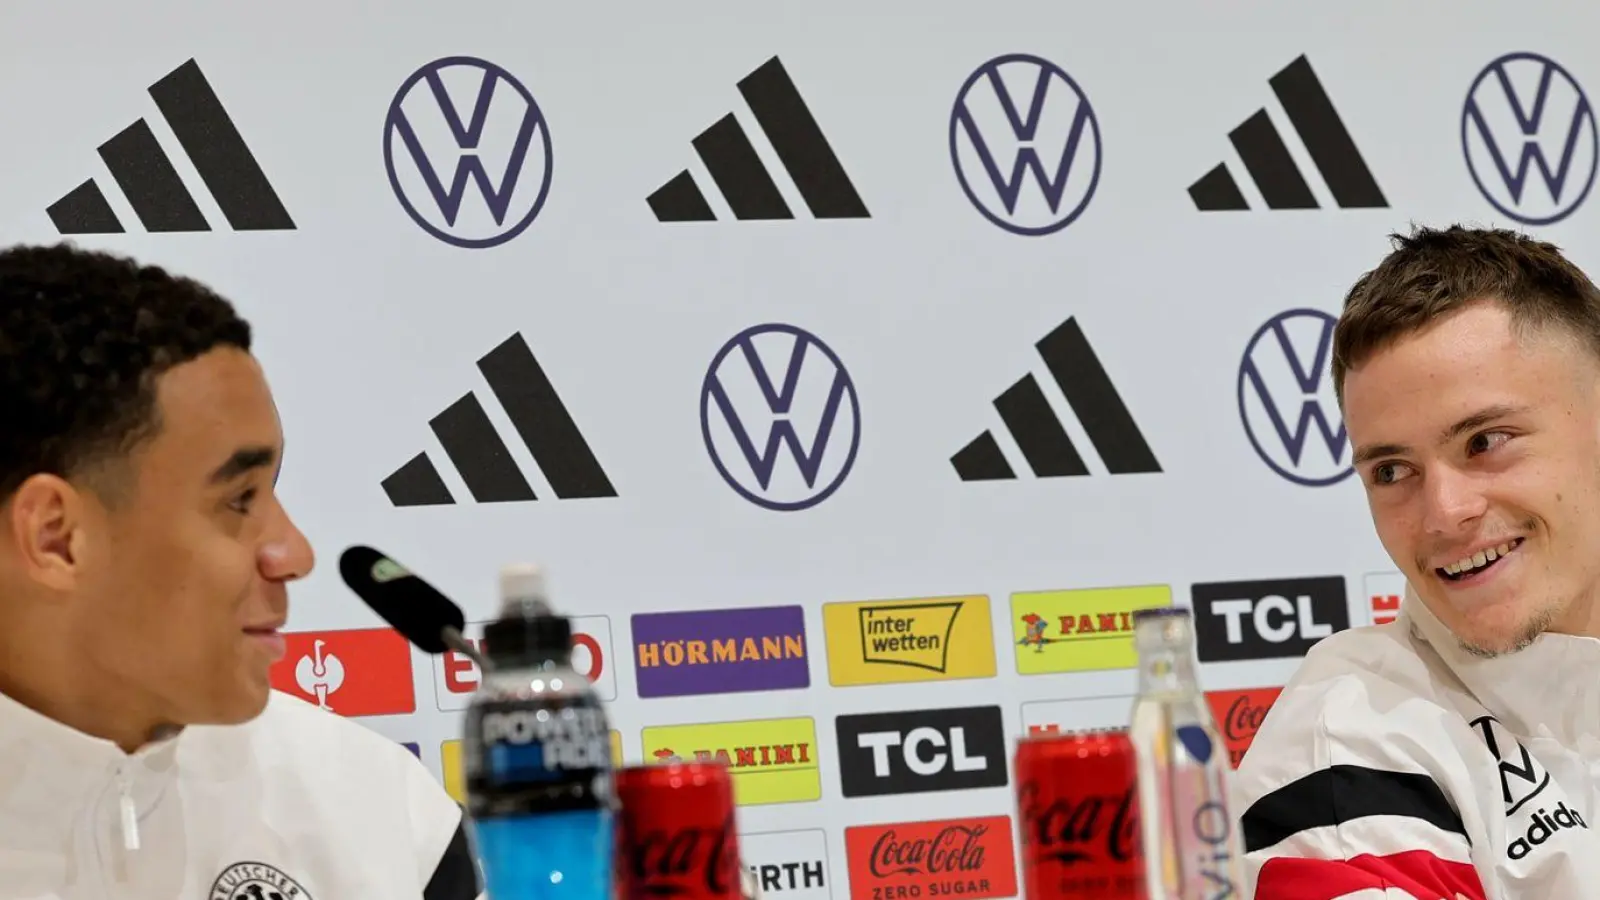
<point x="537" y="757"/>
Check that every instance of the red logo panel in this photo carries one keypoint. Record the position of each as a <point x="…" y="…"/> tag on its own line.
<point x="968" y="858"/>
<point x="353" y="673"/>
<point x="1239" y="715"/>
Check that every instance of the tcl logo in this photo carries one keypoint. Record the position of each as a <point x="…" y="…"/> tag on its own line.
<point x="1239" y="715"/>
<point x="1267" y="619"/>
<point x="456" y="677"/>
<point x="924" y="750"/>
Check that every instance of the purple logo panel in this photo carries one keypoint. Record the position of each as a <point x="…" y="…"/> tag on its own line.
<point x="720" y="651"/>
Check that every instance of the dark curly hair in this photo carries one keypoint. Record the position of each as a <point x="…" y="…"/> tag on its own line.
<point x="83" y="337"/>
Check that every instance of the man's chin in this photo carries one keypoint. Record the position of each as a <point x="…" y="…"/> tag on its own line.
<point x="1495" y="633"/>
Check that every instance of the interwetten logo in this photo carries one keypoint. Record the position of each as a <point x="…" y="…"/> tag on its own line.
<point x="891" y="641"/>
<point x="1284" y="376"/>
<point x="426" y="139"/>
<point x="1523" y="110"/>
<point x="771" y="760"/>
<point x="741" y="403"/>
<point x="720" y="651"/>
<point x="151" y="184"/>
<point x="1009" y="111"/>
<point x="1080" y="630"/>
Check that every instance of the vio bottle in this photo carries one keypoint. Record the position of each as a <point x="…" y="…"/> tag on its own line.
<point x="1191" y="844"/>
<point x="537" y="757"/>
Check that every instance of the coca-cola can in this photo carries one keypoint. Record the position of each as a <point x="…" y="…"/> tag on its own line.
<point x="676" y="833"/>
<point x="1078" y="804"/>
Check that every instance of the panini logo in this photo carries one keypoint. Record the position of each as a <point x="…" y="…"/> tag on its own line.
<point x="771" y="760"/>
<point x="1080" y="630"/>
<point x="455" y="780"/>
<point x="483" y="460"/>
<point x="893" y="641"/>
<point x="152" y="185"/>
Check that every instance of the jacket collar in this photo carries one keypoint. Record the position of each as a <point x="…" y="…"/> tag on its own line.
<point x="1548" y="689"/>
<point x="51" y="774"/>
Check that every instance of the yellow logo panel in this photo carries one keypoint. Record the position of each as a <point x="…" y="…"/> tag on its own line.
<point x="455" y="781"/>
<point x="891" y="641"/>
<point x="771" y="760"/>
<point x="1081" y="630"/>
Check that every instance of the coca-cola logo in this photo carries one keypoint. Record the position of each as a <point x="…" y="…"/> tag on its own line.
<point x="1067" y="829"/>
<point x="956" y="848"/>
<point x="667" y="862"/>
<point x="1244" y="718"/>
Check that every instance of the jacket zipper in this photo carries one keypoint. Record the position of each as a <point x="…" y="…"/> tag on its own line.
<point x="128" y="810"/>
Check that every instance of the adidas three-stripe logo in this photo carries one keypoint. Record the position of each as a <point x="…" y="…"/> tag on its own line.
<point x="1041" y="437"/>
<point x="1270" y="164"/>
<point x="151" y="183"/>
<point x="482" y="459"/>
<point x="742" y="178"/>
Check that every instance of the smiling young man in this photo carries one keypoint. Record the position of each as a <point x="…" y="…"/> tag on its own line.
<point x="144" y="564"/>
<point x="1454" y="752"/>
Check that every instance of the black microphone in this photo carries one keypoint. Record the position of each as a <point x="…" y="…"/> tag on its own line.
<point x="415" y="608"/>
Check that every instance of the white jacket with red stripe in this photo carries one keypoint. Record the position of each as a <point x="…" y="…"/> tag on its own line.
<point x="1396" y="765"/>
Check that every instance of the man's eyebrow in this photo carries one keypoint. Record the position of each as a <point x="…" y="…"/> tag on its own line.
<point x="244" y="460"/>
<point x="1469" y="423"/>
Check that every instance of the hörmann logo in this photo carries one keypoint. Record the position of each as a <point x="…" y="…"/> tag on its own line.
<point x="889" y="641"/>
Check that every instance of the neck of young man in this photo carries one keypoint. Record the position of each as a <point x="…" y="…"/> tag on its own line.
<point x="77" y="696"/>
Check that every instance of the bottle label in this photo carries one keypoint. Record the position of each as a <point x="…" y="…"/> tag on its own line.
<point x="548" y="755"/>
<point x="1202" y="826"/>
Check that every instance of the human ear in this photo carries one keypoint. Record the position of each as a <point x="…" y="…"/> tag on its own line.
<point x="45" y="523"/>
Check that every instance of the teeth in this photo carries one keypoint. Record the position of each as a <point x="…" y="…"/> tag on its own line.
<point x="1480" y="559"/>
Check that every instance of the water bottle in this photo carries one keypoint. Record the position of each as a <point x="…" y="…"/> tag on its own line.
<point x="1190" y="836"/>
<point x="537" y="757"/>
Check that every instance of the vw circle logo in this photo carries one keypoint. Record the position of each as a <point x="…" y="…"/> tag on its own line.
<point x="780" y="417"/>
<point x="468" y="152"/>
<point x="1287" y="401"/>
<point x="1025" y="144"/>
<point x="1528" y="133"/>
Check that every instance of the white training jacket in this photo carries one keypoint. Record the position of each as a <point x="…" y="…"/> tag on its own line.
<point x="298" y="804"/>
<point x="1396" y="765"/>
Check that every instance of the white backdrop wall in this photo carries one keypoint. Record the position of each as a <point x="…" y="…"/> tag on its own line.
<point x="1220" y="177"/>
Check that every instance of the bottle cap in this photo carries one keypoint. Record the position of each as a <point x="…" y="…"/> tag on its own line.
<point x="1166" y="626"/>
<point x="528" y="631"/>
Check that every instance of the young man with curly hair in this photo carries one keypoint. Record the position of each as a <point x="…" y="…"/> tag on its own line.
<point x="144" y="565"/>
<point x="1454" y="753"/>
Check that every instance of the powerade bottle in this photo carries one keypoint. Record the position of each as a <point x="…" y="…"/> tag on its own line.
<point x="537" y="757"/>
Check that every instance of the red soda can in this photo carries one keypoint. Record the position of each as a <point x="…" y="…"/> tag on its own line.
<point x="676" y="833"/>
<point x="1078" y="803"/>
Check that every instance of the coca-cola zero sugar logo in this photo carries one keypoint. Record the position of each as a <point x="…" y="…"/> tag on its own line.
<point x="969" y="858"/>
<point x="1081" y="829"/>
<point x="684" y="861"/>
<point x="1239" y="715"/>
